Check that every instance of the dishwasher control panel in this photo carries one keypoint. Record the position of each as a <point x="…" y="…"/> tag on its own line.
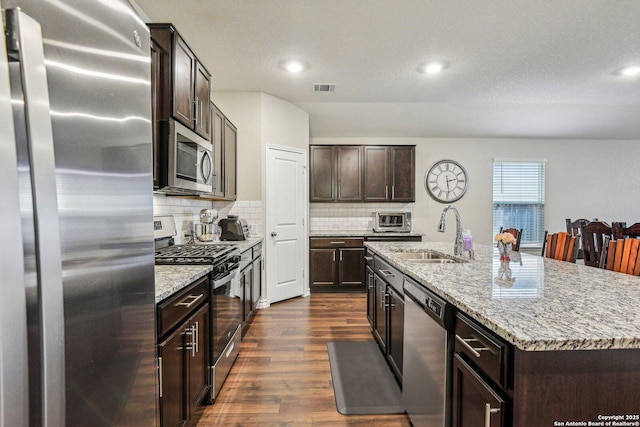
<point x="428" y="300"/>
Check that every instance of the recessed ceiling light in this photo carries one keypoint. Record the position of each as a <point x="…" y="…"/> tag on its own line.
<point x="294" y="66"/>
<point x="630" y="71"/>
<point x="432" y="67"/>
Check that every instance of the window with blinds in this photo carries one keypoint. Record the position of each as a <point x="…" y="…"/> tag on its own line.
<point x="518" y="199"/>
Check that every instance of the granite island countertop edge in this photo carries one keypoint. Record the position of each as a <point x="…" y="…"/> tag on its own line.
<point x="574" y="307"/>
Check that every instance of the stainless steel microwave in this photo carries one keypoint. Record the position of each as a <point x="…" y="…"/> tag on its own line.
<point x="187" y="166"/>
<point x="400" y="222"/>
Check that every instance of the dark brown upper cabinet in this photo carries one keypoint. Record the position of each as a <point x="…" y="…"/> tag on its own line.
<point x="184" y="83"/>
<point x="322" y="176"/>
<point x="363" y="173"/>
<point x="349" y="173"/>
<point x="225" y="145"/>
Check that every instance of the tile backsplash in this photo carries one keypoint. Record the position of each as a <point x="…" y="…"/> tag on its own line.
<point x="349" y="216"/>
<point x="186" y="212"/>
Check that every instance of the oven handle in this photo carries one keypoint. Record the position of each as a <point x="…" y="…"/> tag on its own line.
<point x="219" y="282"/>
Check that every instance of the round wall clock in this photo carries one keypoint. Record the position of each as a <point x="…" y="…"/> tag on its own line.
<point x="446" y="181"/>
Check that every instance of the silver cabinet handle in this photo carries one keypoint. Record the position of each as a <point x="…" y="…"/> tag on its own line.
<point x="274" y="233"/>
<point x="465" y="343"/>
<point x="368" y="258"/>
<point x="393" y="192"/>
<point x="190" y="303"/>
<point x="24" y="40"/>
<point x="370" y="280"/>
<point x="387" y="273"/>
<point x="196" y="335"/>
<point x="488" y="410"/>
<point x="194" y="342"/>
<point x="160" y="375"/>
<point x="341" y="256"/>
<point x="386" y="191"/>
<point x="336" y="243"/>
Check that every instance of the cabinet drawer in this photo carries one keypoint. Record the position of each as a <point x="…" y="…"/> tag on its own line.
<point x="369" y="258"/>
<point x="389" y="274"/>
<point x="336" y="242"/>
<point x="482" y="348"/>
<point x="177" y="307"/>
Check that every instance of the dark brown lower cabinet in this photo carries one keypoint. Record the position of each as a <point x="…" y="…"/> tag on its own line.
<point x="336" y="265"/>
<point x="395" y="327"/>
<point x="371" y="298"/>
<point x="475" y="402"/>
<point x="183" y="366"/>
<point x="380" y="319"/>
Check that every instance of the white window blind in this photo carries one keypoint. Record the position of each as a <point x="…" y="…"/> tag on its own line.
<point x="518" y="199"/>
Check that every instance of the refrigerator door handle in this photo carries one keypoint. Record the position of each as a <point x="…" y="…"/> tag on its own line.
<point x="14" y="409"/>
<point x="29" y="51"/>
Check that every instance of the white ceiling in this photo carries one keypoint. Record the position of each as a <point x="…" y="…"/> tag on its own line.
<point x="516" y="68"/>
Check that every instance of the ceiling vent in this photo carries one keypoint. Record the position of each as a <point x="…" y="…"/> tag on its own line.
<point x="324" y="87"/>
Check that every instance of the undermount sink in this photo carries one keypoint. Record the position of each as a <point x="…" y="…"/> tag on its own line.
<point x="427" y="257"/>
<point x="433" y="261"/>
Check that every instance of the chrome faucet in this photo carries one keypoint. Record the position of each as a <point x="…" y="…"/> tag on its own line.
<point x="458" y="244"/>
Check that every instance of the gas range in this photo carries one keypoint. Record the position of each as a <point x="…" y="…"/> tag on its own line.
<point x="194" y="254"/>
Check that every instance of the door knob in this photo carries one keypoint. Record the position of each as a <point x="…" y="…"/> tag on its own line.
<point x="274" y="234"/>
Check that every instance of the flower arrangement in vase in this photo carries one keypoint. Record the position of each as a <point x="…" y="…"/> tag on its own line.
<point x="505" y="240"/>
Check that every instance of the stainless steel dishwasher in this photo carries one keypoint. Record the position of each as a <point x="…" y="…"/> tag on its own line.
<point x="428" y="346"/>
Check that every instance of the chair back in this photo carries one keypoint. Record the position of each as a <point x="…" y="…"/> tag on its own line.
<point x="575" y="227"/>
<point x="593" y="235"/>
<point x="561" y="246"/>
<point x="621" y="231"/>
<point x="517" y="233"/>
<point x="623" y="255"/>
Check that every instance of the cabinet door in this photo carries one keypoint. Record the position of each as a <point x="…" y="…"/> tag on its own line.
<point x="230" y="158"/>
<point x="474" y="400"/>
<point x="380" y="329"/>
<point x="322" y="269"/>
<point x="183" y="84"/>
<point x="349" y="173"/>
<point x="256" y="283"/>
<point x="351" y="267"/>
<point x="202" y="109"/>
<point x="376" y="174"/>
<point x="371" y="297"/>
<point x="322" y="176"/>
<point x="246" y="281"/>
<point x="402" y="174"/>
<point x="157" y="55"/>
<point x="217" y="131"/>
<point x="396" y="331"/>
<point x="172" y="359"/>
<point x="197" y="351"/>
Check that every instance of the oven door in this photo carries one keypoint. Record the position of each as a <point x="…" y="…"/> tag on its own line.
<point x="190" y="160"/>
<point x="226" y="313"/>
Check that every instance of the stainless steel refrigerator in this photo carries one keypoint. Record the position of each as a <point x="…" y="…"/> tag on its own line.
<point x="77" y="304"/>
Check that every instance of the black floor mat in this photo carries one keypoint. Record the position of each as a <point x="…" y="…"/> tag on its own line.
<point x="362" y="381"/>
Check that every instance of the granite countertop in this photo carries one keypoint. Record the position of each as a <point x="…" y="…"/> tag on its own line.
<point x="170" y="279"/>
<point x="242" y="245"/>
<point x="551" y="305"/>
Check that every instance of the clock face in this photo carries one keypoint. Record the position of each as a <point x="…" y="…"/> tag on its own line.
<point x="446" y="181"/>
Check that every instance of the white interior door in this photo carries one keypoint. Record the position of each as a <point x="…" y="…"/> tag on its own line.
<point x="286" y="210"/>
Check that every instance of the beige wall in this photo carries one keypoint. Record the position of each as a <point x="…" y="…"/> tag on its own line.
<point x="585" y="179"/>
<point x="261" y="119"/>
<point x="244" y="109"/>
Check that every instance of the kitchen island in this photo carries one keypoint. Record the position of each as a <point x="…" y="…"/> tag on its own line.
<point x="573" y="331"/>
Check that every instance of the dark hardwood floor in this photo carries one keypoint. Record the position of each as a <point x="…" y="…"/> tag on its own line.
<point x="282" y="377"/>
